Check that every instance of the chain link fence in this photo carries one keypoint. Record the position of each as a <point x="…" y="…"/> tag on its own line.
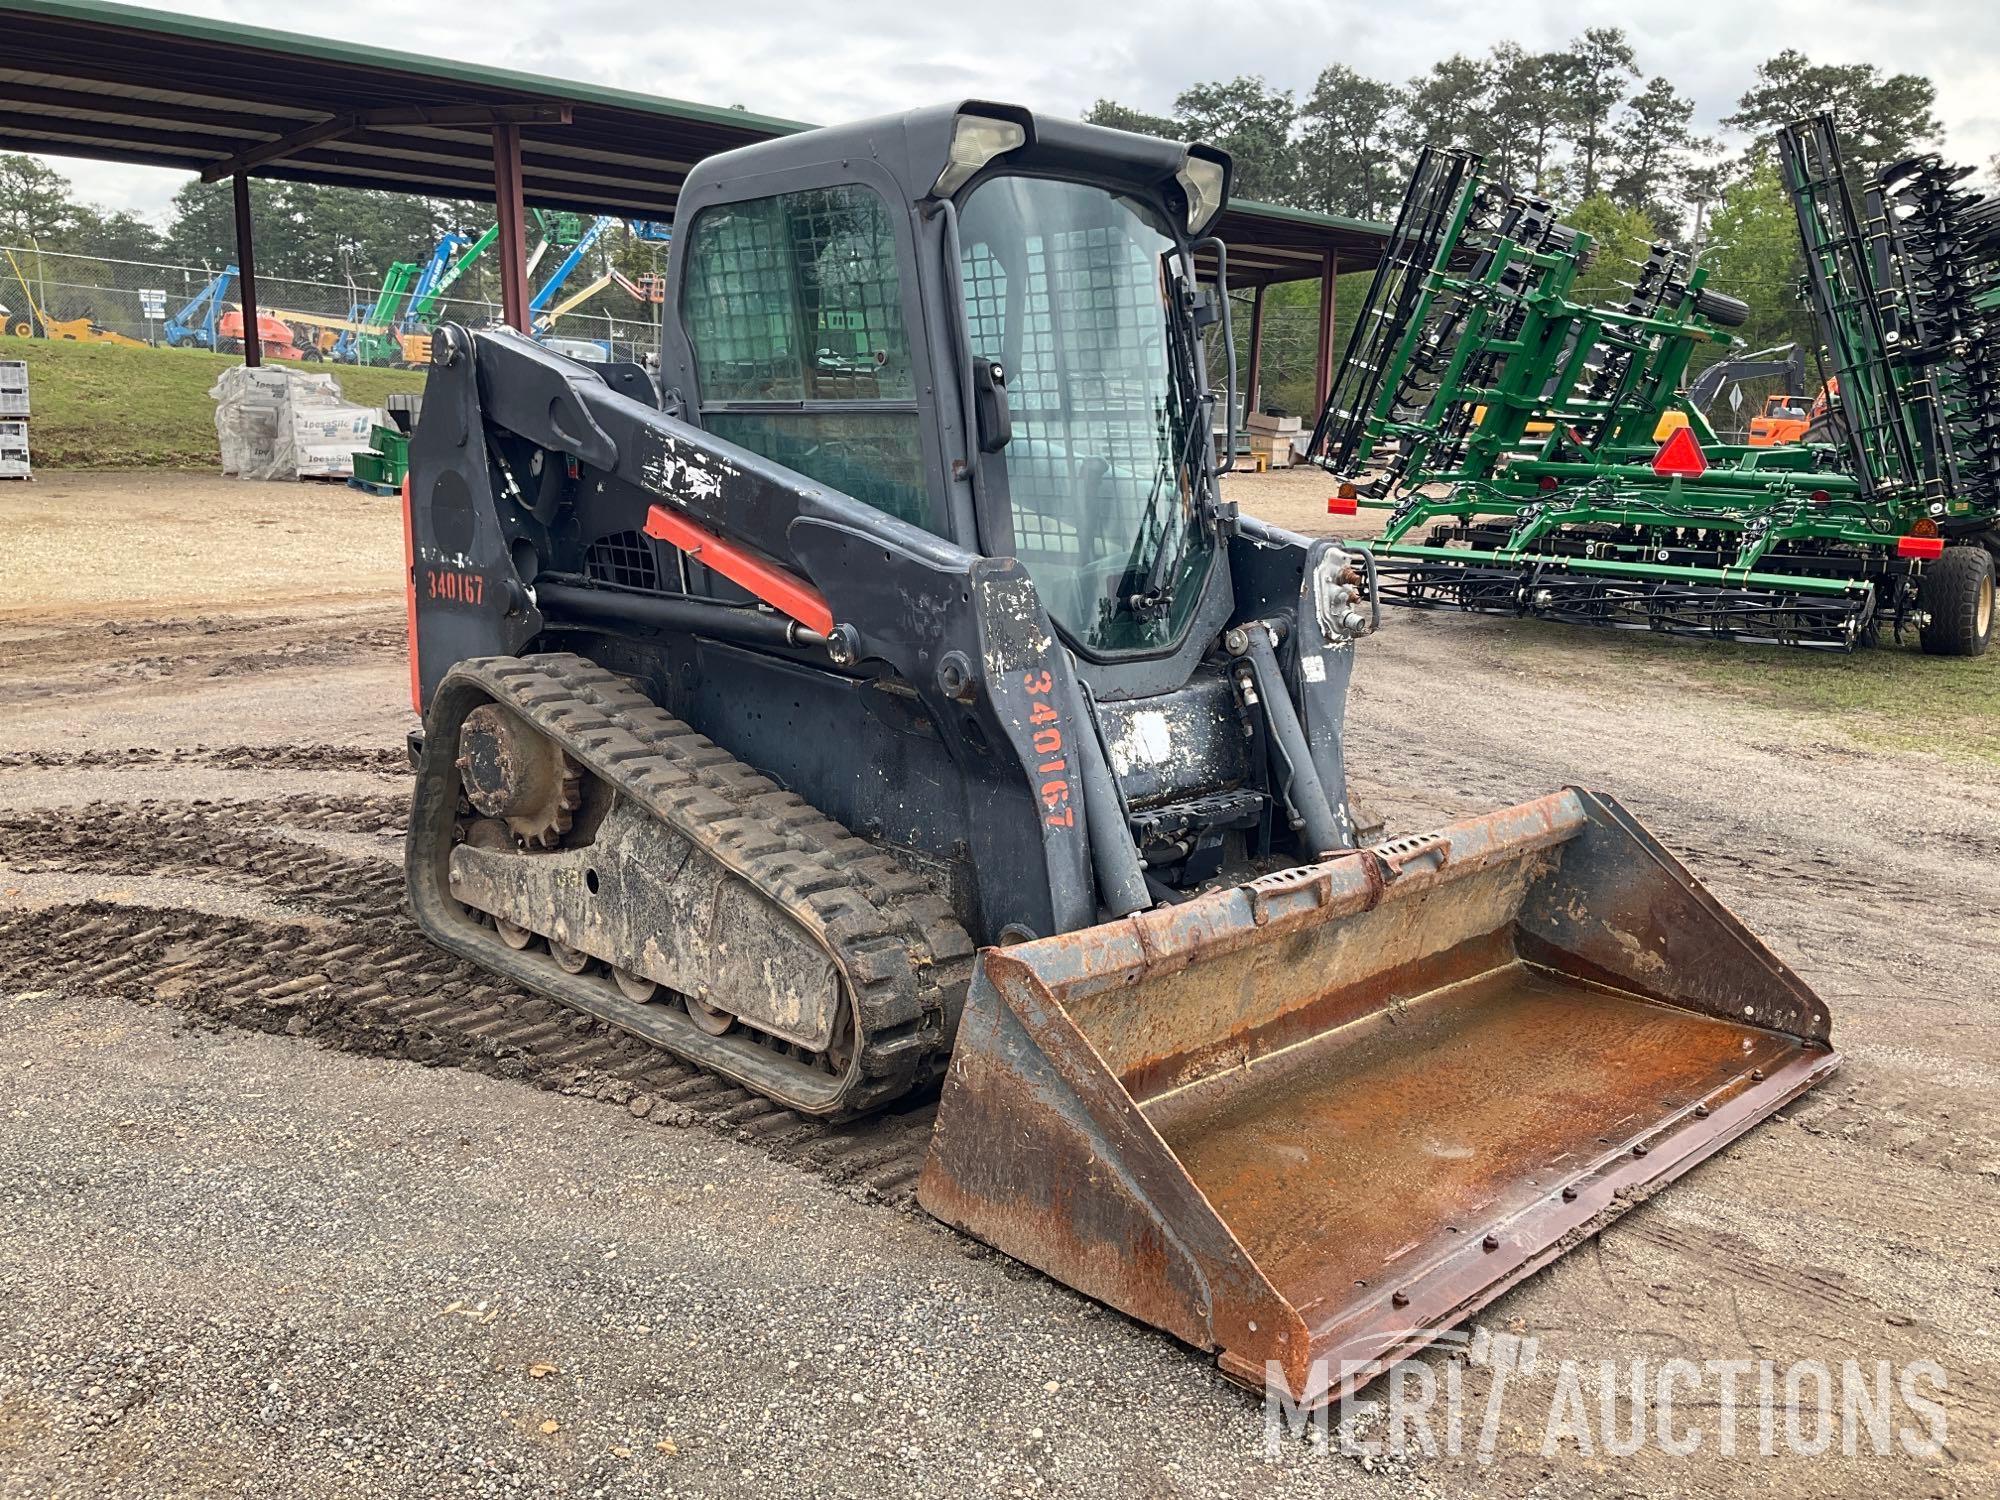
<point x="111" y="296"/>
<point x="147" y="301"/>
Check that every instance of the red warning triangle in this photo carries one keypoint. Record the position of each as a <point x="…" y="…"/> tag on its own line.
<point x="1680" y="456"/>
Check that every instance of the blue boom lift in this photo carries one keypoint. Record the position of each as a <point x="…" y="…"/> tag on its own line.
<point x="193" y="327"/>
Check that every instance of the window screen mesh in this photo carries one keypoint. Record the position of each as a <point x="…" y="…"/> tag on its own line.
<point x="1072" y="289"/>
<point x="1085" y="384"/>
<point x="624" y="558"/>
<point x="796" y="298"/>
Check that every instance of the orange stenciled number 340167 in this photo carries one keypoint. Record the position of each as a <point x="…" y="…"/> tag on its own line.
<point x="1053" y="765"/>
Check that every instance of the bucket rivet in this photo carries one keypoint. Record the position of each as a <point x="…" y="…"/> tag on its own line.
<point x="1640" y="1149"/>
<point x="1400" y="1299"/>
<point x="1757" y="1074"/>
<point x="1491" y="1242"/>
<point x="1701" y="1111"/>
<point x="1569" y="1195"/>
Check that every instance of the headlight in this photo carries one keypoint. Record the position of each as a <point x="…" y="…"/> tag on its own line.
<point x="1202" y="180"/>
<point x="976" y="140"/>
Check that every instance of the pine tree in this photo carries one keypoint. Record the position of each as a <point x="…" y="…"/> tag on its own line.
<point x="1347" y="157"/>
<point x="1253" y="123"/>
<point x="1652" y="140"/>
<point x="1450" y="105"/>
<point x="1593" y="74"/>
<point x="1877" y="118"/>
<point x="1116" y="116"/>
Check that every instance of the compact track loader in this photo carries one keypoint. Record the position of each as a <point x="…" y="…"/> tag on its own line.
<point x="888" y="702"/>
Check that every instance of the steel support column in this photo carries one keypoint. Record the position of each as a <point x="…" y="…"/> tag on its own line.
<point x="1323" y="359"/>
<point x="246" y="272"/>
<point x="1252" y="385"/>
<point x="509" y="212"/>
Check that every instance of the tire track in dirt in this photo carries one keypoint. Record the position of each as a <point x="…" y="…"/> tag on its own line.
<point x="368" y="981"/>
<point x="84" y="662"/>
<point x="220" y="757"/>
<point x="354" y="973"/>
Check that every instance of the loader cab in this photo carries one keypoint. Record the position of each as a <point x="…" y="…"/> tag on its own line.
<point x="988" y="325"/>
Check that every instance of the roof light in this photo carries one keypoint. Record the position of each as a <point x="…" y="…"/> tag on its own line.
<point x="1680" y="456"/>
<point x="1920" y="546"/>
<point x="976" y="140"/>
<point x="1203" y="180"/>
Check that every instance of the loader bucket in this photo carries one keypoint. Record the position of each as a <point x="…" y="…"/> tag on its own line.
<point x="1313" y="1121"/>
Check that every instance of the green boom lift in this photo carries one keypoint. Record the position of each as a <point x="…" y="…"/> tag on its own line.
<point x="372" y="342"/>
<point x="383" y="343"/>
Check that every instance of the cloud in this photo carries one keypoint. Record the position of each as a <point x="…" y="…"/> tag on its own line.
<point x="810" y="60"/>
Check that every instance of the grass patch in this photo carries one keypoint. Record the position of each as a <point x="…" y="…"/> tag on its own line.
<point x="1890" y="696"/>
<point x="103" y="406"/>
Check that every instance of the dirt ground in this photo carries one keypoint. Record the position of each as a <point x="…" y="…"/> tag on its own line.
<point x="119" y="545"/>
<point x="298" y="1205"/>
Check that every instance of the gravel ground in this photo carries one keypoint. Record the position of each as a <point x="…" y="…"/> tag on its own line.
<point x="240" y="1264"/>
<point x="249" y="1262"/>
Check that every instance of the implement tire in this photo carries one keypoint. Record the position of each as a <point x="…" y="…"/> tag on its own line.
<point x="1957" y="593"/>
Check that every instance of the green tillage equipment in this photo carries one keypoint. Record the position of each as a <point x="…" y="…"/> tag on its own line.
<point x="1904" y="297"/>
<point x="1515" y="432"/>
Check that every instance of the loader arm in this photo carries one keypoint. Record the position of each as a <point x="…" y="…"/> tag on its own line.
<point x="515" y="438"/>
<point x="511" y="429"/>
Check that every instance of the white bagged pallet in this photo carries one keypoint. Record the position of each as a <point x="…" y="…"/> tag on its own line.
<point x="324" y="438"/>
<point x="277" y="423"/>
<point x="13" y="388"/>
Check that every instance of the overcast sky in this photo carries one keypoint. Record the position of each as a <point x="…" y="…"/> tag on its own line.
<point x="827" y="60"/>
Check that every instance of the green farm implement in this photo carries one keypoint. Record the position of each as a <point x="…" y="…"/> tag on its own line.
<point x="1537" y="455"/>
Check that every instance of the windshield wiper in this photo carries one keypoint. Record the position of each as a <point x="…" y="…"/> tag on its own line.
<point x="1157" y="597"/>
<point x="1163" y="577"/>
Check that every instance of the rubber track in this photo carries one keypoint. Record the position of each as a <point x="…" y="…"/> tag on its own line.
<point x="906" y="959"/>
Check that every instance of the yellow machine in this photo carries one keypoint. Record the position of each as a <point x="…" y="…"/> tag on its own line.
<point x="76" y="330"/>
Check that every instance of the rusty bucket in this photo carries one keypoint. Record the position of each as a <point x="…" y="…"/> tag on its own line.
<point x="1312" y="1121"/>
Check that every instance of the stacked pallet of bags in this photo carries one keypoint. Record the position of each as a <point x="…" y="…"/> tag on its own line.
<point x="275" y="423"/>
